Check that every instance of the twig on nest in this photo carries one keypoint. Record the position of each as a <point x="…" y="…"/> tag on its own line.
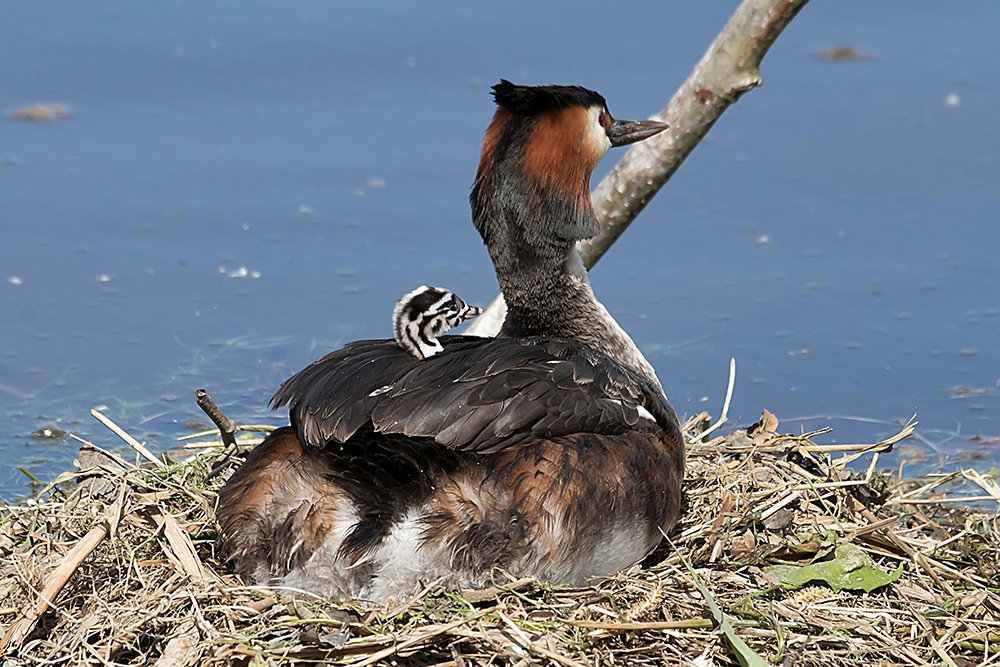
<point x="227" y="427"/>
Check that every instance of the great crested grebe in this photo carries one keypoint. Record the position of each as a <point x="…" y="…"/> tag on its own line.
<point x="550" y="451"/>
<point x="426" y="313"/>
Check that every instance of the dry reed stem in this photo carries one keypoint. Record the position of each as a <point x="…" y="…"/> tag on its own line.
<point x="132" y="442"/>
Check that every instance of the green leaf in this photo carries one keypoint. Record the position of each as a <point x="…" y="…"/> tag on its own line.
<point x="746" y="655"/>
<point x="851" y="568"/>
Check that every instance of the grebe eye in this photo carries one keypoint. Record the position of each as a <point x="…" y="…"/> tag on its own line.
<point x="600" y="119"/>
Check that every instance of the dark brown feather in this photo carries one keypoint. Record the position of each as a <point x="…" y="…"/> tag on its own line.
<point x="543" y="507"/>
<point x="478" y="395"/>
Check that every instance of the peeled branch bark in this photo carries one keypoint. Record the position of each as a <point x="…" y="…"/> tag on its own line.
<point x="729" y="68"/>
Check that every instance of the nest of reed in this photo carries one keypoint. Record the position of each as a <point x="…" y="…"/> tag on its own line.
<point x="784" y="555"/>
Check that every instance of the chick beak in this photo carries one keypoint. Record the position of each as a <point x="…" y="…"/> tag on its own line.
<point x="471" y="312"/>
<point x="624" y="132"/>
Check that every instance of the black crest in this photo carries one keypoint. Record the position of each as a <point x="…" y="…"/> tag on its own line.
<point x="530" y="100"/>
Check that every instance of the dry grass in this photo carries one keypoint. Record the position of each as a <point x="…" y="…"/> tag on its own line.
<point x="154" y="591"/>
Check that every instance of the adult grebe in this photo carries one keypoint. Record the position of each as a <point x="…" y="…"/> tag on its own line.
<point x="550" y="451"/>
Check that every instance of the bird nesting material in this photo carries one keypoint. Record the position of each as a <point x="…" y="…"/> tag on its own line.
<point x="784" y="555"/>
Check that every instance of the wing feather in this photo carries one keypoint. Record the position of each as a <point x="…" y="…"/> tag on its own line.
<point x="479" y="394"/>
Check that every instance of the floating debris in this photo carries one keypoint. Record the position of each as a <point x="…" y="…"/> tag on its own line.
<point x="41" y="111"/>
<point x="843" y="53"/>
<point x="962" y="391"/>
<point x="48" y="433"/>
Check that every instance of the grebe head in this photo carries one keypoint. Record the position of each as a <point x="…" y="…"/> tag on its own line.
<point x="533" y="184"/>
<point x="426" y="313"/>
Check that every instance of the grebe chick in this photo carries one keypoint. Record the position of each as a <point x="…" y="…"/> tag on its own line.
<point x="426" y="313"/>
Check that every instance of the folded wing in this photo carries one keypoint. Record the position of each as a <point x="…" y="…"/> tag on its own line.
<point x="480" y="394"/>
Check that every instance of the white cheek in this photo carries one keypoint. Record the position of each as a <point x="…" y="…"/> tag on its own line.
<point x="597" y="139"/>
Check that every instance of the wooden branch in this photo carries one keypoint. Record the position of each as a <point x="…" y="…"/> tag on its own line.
<point x="227" y="427"/>
<point x="729" y="68"/>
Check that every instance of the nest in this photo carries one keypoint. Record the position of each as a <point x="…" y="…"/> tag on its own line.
<point x="784" y="555"/>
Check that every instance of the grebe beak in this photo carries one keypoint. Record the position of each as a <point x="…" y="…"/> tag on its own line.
<point x="624" y="132"/>
<point x="471" y="312"/>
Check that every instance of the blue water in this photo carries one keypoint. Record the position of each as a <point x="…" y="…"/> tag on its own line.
<point x="243" y="186"/>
